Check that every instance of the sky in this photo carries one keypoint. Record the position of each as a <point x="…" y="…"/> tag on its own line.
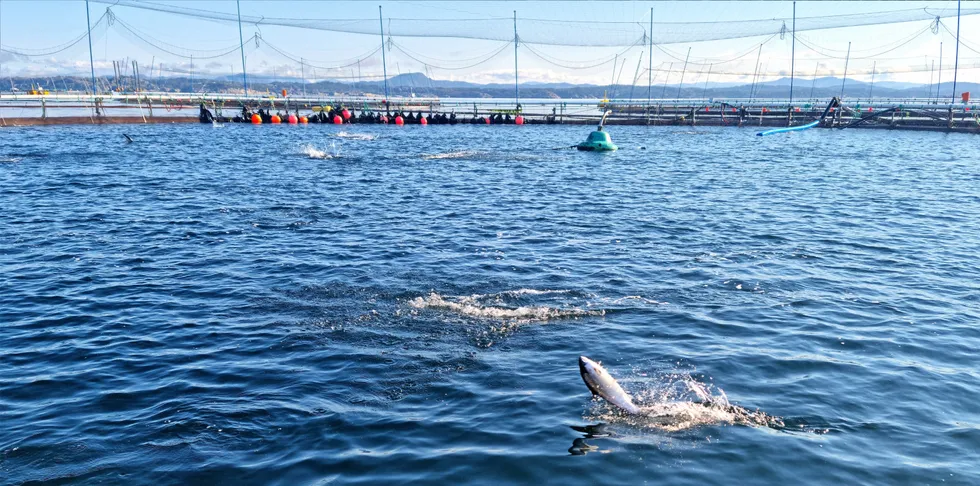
<point x="903" y="52"/>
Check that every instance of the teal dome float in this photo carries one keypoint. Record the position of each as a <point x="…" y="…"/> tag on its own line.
<point x="598" y="141"/>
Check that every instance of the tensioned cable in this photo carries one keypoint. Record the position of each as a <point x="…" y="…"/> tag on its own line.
<point x="600" y="60"/>
<point x="595" y="64"/>
<point x="227" y="51"/>
<point x="962" y="42"/>
<point x="326" y="68"/>
<point x="707" y="60"/>
<point x="465" y="59"/>
<point x="903" y="44"/>
<point x="495" y="54"/>
<point x="48" y="51"/>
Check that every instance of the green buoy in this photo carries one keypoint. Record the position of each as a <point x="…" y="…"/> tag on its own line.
<point x="598" y="140"/>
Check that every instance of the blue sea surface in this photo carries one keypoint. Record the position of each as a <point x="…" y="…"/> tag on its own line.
<point x="364" y="304"/>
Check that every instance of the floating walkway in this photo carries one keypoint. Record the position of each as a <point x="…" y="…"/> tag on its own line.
<point x="77" y="108"/>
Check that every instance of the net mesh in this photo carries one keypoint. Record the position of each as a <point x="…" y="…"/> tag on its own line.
<point x="562" y="32"/>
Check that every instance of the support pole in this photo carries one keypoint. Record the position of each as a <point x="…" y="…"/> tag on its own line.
<point x="792" y="62"/>
<point x="704" y="94"/>
<point x="650" y="62"/>
<point x="846" y="61"/>
<point x="664" y="92"/>
<point x="384" y="62"/>
<point x="517" y="89"/>
<point x="956" y="63"/>
<point x="758" y="57"/>
<point x="241" y="44"/>
<point x="932" y="77"/>
<point x="91" y="57"/>
<point x="302" y="71"/>
<point x="681" y="84"/>
<point x="814" y="83"/>
<point x="871" y="93"/>
<point x="636" y="76"/>
<point x="939" y="84"/>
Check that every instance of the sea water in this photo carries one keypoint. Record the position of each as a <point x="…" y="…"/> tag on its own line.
<point x="366" y="304"/>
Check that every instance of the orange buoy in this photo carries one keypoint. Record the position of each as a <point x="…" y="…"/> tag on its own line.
<point x="399" y="120"/>
<point x="292" y="119"/>
<point x="423" y="121"/>
<point x="797" y="109"/>
<point x="256" y="119"/>
<point x="733" y="110"/>
<point x="707" y="109"/>
<point x="519" y="120"/>
<point x="303" y="120"/>
<point x="283" y="93"/>
<point x="337" y="120"/>
<point x="870" y="109"/>
<point x="276" y="119"/>
<point x="345" y="114"/>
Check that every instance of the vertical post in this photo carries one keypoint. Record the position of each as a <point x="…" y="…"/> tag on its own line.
<point x="758" y="57"/>
<point x="932" y="77"/>
<point x="704" y="94"/>
<point x="664" y="92"/>
<point x="190" y="74"/>
<point x="636" y="76"/>
<point x="681" y="84"/>
<point x="814" y="83"/>
<point x="650" y="62"/>
<point x="846" y="61"/>
<point x="517" y="89"/>
<point x="939" y="84"/>
<point x="302" y="71"/>
<point x="91" y="57"/>
<point x="792" y="62"/>
<point x="956" y="63"/>
<point x="384" y="62"/>
<point x="871" y="93"/>
<point x="241" y="45"/>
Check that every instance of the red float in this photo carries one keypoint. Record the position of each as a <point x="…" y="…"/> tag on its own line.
<point x="399" y="120"/>
<point x="345" y="114"/>
<point x="519" y="120"/>
<point x="487" y="119"/>
<point x="256" y="119"/>
<point x="292" y="119"/>
<point x="337" y="120"/>
<point x="424" y="121"/>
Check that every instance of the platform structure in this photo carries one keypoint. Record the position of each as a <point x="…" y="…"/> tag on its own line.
<point x="153" y="107"/>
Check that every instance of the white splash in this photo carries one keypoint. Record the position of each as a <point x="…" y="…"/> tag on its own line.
<point x="315" y="153"/>
<point x="677" y="402"/>
<point x="458" y="154"/>
<point x="493" y="306"/>
<point x="356" y="136"/>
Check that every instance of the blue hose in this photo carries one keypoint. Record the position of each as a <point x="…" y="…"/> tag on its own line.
<point x="790" y="129"/>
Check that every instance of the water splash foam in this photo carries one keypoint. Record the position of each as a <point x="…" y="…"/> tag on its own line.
<point x="495" y="306"/>
<point x="456" y="154"/>
<point x="677" y="401"/>
<point x="314" y="153"/>
<point x="356" y="136"/>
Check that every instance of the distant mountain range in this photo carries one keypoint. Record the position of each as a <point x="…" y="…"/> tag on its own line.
<point x="422" y="86"/>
